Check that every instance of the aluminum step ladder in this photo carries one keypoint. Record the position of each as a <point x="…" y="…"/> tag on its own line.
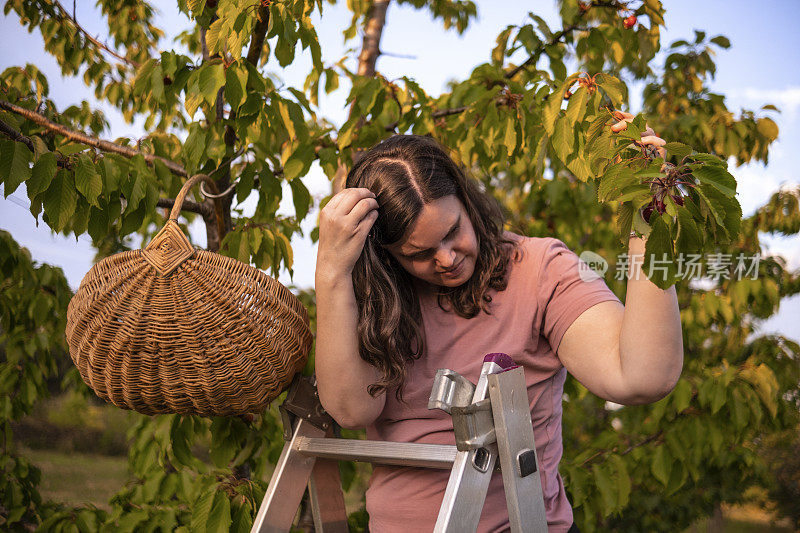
<point x="491" y="420"/>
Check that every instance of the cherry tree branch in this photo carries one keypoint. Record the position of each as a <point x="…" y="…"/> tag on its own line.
<point x="102" y="46"/>
<point x="81" y="137"/>
<point x="370" y="50"/>
<point x="188" y="205"/>
<point x="205" y="210"/>
<point x="15" y="135"/>
<point x="629" y="449"/>
<point x="538" y="52"/>
<point x="258" y="36"/>
<point x="370" y="45"/>
<point x="436" y="114"/>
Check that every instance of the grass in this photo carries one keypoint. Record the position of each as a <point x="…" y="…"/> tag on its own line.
<point x="78" y="478"/>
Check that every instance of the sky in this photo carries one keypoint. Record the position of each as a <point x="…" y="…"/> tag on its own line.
<point x="761" y="67"/>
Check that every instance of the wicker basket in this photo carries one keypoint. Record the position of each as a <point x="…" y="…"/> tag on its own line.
<point x="172" y="329"/>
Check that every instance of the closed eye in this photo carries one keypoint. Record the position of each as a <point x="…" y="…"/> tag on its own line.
<point x="426" y="254"/>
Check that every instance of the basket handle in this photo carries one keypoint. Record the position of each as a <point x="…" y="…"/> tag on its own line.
<point x="191" y="182"/>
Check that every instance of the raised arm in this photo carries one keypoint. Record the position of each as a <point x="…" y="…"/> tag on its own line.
<point x="342" y="376"/>
<point x="631" y="354"/>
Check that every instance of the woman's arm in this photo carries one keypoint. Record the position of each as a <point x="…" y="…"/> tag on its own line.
<point x="342" y="376"/>
<point x="632" y="354"/>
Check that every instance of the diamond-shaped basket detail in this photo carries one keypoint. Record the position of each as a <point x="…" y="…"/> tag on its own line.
<point x="173" y="329"/>
<point x="168" y="249"/>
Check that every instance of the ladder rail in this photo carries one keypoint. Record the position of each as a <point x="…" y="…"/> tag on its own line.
<point x="492" y="424"/>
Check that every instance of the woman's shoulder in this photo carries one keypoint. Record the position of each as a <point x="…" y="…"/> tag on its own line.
<point x="534" y="248"/>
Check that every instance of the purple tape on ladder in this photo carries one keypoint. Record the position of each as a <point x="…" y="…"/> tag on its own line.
<point x="503" y="360"/>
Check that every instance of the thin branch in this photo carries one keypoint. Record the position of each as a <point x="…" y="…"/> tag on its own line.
<point x="258" y="36"/>
<point x="436" y="114"/>
<point x="187" y="205"/>
<point x="15" y="135"/>
<point x="630" y="448"/>
<point x="81" y="137"/>
<point x="538" y="52"/>
<point x="401" y="56"/>
<point x="97" y="43"/>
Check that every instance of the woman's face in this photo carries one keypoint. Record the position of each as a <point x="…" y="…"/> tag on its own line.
<point x="440" y="247"/>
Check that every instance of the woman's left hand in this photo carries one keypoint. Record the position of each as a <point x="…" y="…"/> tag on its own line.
<point x="648" y="135"/>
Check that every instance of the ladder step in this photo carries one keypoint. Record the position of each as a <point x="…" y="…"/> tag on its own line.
<point x="380" y="452"/>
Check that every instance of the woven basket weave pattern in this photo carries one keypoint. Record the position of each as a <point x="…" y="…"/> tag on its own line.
<point x="170" y="329"/>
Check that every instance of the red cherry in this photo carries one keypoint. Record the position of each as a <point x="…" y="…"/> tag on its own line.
<point x="567" y="94"/>
<point x="167" y="80"/>
<point x="629" y="22"/>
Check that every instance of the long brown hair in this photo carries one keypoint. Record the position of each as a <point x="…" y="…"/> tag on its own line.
<point x="406" y="172"/>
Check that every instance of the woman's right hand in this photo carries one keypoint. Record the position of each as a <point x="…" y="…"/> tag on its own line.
<point x="344" y="224"/>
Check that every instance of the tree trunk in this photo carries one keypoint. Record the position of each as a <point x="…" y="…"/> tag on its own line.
<point x="370" y="50"/>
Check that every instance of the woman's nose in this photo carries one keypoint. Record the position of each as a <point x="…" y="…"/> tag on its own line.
<point x="445" y="258"/>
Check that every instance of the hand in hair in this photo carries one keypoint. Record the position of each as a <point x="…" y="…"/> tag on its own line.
<point x="344" y="224"/>
<point x="343" y="377"/>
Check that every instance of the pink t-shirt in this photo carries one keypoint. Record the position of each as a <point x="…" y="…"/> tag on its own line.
<point x="545" y="294"/>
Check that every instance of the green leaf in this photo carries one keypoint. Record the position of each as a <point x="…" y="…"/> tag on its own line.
<point x="288" y="123"/>
<point x="726" y="210"/>
<point x="682" y="395"/>
<point x="614" y="88"/>
<point x="563" y="139"/>
<point x="661" y="465"/>
<point x="286" y="249"/>
<point x="721" y="41"/>
<point x="134" y="189"/>
<point x="157" y="83"/>
<point x="98" y="223"/>
<point x="602" y="480"/>
<point x="677" y="149"/>
<point x="659" y="260"/>
<point x="299" y="162"/>
<point x="15" y="168"/>
<point x="719" y="397"/>
<point x="624" y="221"/>
<point x="132" y="220"/>
<point x="716" y="176"/>
<point x="60" y="200"/>
<point x="42" y="174"/>
<point x="211" y="78"/>
<point x="202" y="509"/>
<point x="301" y="198"/>
<point x="576" y="107"/>
<point x="767" y="128"/>
<point x="235" y="85"/>
<point x="194" y="146"/>
<point x="623" y="480"/>
<point x="615" y="179"/>
<point x="510" y="139"/>
<point x="552" y="107"/>
<point x="219" y="516"/>
<point x="196" y="7"/>
<point x="87" y="180"/>
<point x="243" y="252"/>
<point x="689" y="238"/>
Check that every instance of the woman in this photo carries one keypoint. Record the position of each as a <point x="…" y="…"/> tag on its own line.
<point x="415" y="273"/>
